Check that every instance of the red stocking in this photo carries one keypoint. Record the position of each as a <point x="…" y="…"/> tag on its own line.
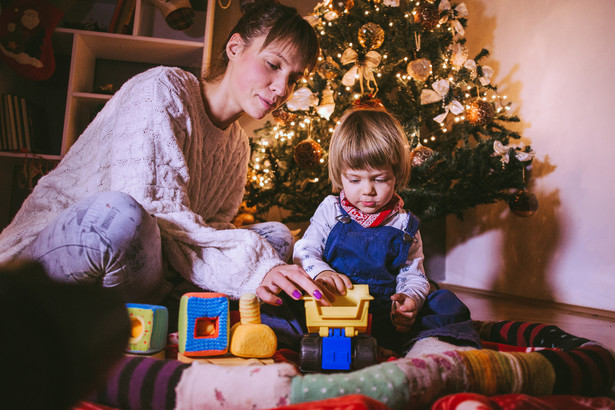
<point x="26" y="27"/>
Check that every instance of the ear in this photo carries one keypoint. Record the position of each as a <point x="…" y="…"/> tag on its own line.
<point x="234" y="46"/>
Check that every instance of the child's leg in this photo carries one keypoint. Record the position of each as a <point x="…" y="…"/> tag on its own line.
<point x="447" y="318"/>
<point x="107" y="239"/>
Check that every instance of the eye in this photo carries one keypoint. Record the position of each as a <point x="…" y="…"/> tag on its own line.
<point x="273" y="66"/>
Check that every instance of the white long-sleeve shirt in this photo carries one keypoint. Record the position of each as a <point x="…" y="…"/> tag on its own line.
<point x="308" y="252"/>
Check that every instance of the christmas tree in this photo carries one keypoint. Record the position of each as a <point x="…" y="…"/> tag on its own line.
<point x="411" y="59"/>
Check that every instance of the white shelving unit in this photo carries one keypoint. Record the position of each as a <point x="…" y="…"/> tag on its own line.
<point x="98" y="58"/>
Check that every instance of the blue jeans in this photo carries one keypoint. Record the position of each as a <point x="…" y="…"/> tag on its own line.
<point x="110" y="239"/>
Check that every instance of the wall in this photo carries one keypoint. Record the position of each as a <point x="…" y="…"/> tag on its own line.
<point x="554" y="59"/>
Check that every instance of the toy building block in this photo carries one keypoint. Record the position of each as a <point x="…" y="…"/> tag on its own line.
<point x="149" y="324"/>
<point x="249" y="337"/>
<point x="204" y="321"/>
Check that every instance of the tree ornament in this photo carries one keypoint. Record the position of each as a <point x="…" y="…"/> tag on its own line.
<point x="282" y="116"/>
<point x="427" y="15"/>
<point x="420" y="155"/>
<point x="327" y="104"/>
<point x="308" y="153"/>
<point x="328" y="69"/>
<point x="480" y="112"/>
<point x="302" y="100"/>
<point x="340" y="6"/>
<point x="420" y="69"/>
<point x="362" y="69"/>
<point x="371" y="36"/>
<point x="523" y="204"/>
<point x="368" y="102"/>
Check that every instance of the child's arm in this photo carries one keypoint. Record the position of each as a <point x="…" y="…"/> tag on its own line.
<point x="403" y="312"/>
<point x="412" y="288"/>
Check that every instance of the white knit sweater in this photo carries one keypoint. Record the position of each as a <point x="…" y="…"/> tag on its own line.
<point x="154" y="141"/>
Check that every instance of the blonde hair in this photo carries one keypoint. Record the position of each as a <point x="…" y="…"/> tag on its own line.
<point x="369" y="138"/>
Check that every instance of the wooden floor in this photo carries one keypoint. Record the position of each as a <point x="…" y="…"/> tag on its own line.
<point x="597" y="325"/>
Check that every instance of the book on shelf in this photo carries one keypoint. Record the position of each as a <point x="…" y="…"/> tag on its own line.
<point x="4" y="142"/>
<point x="116" y="14"/>
<point x="17" y="130"/>
<point x="21" y="141"/>
<point x="126" y="16"/>
<point x="10" y="120"/>
<point x="27" y="124"/>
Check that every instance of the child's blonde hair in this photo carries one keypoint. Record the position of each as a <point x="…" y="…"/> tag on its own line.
<point x="369" y="138"/>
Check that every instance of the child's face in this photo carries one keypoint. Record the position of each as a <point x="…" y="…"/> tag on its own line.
<point x="370" y="189"/>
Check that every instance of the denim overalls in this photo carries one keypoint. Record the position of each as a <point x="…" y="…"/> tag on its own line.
<point x="373" y="256"/>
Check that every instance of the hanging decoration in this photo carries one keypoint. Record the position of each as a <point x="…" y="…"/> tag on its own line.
<point x="439" y="91"/>
<point x="503" y="151"/>
<point x="427" y="15"/>
<point x="302" y="99"/>
<point x="282" y="116"/>
<point x="362" y="69"/>
<point x="371" y="36"/>
<point x="340" y="6"/>
<point x="486" y="72"/>
<point x="327" y="104"/>
<point x="308" y="153"/>
<point x="523" y="203"/>
<point x="420" y="155"/>
<point x="480" y="112"/>
<point x="420" y="69"/>
<point x="328" y="68"/>
<point x="459" y="12"/>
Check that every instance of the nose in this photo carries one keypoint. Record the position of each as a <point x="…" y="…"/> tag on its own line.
<point x="368" y="188"/>
<point x="280" y="86"/>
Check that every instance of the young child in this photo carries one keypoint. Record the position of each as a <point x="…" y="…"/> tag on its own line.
<point x="365" y="236"/>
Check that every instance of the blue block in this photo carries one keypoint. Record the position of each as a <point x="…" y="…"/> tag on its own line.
<point x="336" y="351"/>
<point x="204" y="324"/>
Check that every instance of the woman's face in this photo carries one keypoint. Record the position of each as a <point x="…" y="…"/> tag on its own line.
<point x="262" y="79"/>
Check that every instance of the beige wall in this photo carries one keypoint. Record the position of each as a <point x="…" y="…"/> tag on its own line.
<point x="555" y="60"/>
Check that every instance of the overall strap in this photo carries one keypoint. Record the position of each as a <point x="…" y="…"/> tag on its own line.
<point x="412" y="228"/>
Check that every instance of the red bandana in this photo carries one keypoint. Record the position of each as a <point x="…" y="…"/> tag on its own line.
<point x="375" y="219"/>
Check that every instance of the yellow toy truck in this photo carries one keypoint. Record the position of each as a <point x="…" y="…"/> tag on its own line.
<point x="337" y="338"/>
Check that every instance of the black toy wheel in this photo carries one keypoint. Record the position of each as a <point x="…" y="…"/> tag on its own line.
<point x="364" y="351"/>
<point x="310" y="359"/>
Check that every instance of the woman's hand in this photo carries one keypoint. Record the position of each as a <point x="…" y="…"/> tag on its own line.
<point x="403" y="312"/>
<point x="291" y="279"/>
<point x="336" y="283"/>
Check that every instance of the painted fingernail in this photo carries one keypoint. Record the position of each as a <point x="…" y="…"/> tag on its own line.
<point x="296" y="294"/>
<point x="317" y="294"/>
<point x="278" y="302"/>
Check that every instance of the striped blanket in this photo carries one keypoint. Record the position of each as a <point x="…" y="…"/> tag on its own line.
<point x="527" y="359"/>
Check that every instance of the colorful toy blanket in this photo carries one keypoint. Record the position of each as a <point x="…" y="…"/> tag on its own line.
<point x="520" y="363"/>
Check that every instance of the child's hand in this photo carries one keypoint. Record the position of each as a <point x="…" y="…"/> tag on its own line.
<point x="403" y="312"/>
<point x="336" y="283"/>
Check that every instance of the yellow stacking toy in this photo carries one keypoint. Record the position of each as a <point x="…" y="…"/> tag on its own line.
<point x="249" y="337"/>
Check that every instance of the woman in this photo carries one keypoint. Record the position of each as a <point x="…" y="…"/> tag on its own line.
<point x="149" y="188"/>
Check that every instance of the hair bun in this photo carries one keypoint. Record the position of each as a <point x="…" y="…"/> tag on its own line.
<point x="247" y="4"/>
